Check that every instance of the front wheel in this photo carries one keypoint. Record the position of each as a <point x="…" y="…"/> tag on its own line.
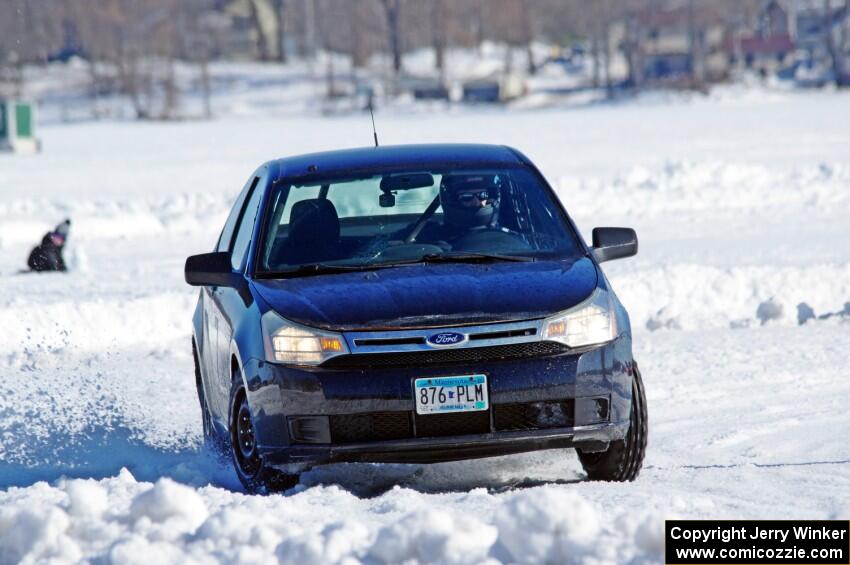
<point x="253" y="473"/>
<point x="623" y="458"/>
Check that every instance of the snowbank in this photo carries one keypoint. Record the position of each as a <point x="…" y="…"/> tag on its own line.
<point x="693" y="188"/>
<point x="693" y="296"/>
<point x="27" y="220"/>
<point x="120" y="520"/>
<point x="674" y="292"/>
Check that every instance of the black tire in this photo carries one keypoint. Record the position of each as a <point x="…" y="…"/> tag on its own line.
<point x="212" y="439"/>
<point x="623" y="459"/>
<point x="255" y="476"/>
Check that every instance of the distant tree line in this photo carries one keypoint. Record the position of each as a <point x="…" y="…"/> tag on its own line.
<point x="132" y="46"/>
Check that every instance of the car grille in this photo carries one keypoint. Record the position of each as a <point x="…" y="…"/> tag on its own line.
<point x="441" y="425"/>
<point x="377" y="426"/>
<point x="444" y="356"/>
<point x="384" y="426"/>
<point x="533" y="415"/>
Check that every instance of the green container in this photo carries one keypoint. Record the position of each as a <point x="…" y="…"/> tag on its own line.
<point x="4" y="129"/>
<point x="17" y="127"/>
<point x="23" y="120"/>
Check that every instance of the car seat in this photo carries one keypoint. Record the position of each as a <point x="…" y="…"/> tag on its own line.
<point x="313" y="234"/>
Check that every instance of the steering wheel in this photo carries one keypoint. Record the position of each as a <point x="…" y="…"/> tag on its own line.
<point x="422" y="220"/>
<point x="491" y="239"/>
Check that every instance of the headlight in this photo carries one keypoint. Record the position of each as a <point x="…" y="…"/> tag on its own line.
<point x="590" y="323"/>
<point x="286" y="342"/>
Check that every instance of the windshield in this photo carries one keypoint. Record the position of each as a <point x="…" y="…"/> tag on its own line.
<point x="380" y="219"/>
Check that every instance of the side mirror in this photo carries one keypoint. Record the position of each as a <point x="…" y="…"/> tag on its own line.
<point x="614" y="243"/>
<point x="210" y="269"/>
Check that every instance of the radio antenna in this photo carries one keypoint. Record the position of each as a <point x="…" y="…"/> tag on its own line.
<point x="371" y="113"/>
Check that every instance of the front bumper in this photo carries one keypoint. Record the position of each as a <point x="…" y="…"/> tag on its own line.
<point x="280" y="396"/>
<point x="455" y="448"/>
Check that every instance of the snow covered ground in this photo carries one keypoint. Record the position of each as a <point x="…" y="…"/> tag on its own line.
<point x="740" y="200"/>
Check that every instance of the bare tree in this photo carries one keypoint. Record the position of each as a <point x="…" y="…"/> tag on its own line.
<point x="141" y="41"/>
<point x="438" y="36"/>
<point x="335" y="39"/>
<point x="392" y="13"/>
<point x="197" y="30"/>
<point x="280" y="25"/>
<point x="528" y="28"/>
<point x="836" y="40"/>
<point x="366" y="29"/>
<point x="478" y="26"/>
<point x="29" y="31"/>
<point x="635" y="34"/>
<point x="10" y="75"/>
<point x="263" y="48"/>
<point x="600" y="46"/>
<point x="696" y="48"/>
<point x="134" y="47"/>
<point x="310" y="28"/>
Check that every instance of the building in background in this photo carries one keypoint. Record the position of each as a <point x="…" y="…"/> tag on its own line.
<point x="770" y="46"/>
<point x="823" y="40"/>
<point x="17" y="126"/>
<point x="679" y="44"/>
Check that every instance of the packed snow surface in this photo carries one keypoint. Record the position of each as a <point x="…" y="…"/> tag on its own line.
<point x="737" y="297"/>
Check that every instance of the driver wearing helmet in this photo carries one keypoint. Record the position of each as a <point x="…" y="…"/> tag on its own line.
<point x="470" y="203"/>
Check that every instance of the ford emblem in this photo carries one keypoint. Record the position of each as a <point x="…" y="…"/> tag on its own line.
<point x="446" y="339"/>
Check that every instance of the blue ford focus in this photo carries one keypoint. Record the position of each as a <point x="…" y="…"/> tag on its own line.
<point x="417" y="304"/>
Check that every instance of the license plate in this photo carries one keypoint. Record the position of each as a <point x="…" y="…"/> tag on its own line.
<point x="442" y="395"/>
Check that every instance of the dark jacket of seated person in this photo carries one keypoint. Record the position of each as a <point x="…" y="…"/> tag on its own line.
<point x="47" y="256"/>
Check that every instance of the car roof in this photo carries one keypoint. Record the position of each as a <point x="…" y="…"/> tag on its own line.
<point x="397" y="156"/>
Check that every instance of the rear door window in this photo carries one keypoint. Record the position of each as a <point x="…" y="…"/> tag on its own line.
<point x="226" y="237"/>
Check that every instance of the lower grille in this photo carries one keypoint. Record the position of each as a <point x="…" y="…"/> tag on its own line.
<point x="439" y="356"/>
<point x="384" y="426"/>
<point x="440" y="425"/>
<point x="534" y="415"/>
<point x="377" y="426"/>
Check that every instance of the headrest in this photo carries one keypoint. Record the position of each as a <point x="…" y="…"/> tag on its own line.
<point x="312" y="221"/>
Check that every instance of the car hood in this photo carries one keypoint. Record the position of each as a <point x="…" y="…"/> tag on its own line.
<point x="431" y="295"/>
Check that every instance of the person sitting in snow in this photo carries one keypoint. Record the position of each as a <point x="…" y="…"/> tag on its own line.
<point x="48" y="255"/>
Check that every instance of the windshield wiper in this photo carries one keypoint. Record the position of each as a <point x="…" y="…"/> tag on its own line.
<point x="316" y="269"/>
<point x="326" y="269"/>
<point x="463" y="258"/>
<point x="473" y="258"/>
